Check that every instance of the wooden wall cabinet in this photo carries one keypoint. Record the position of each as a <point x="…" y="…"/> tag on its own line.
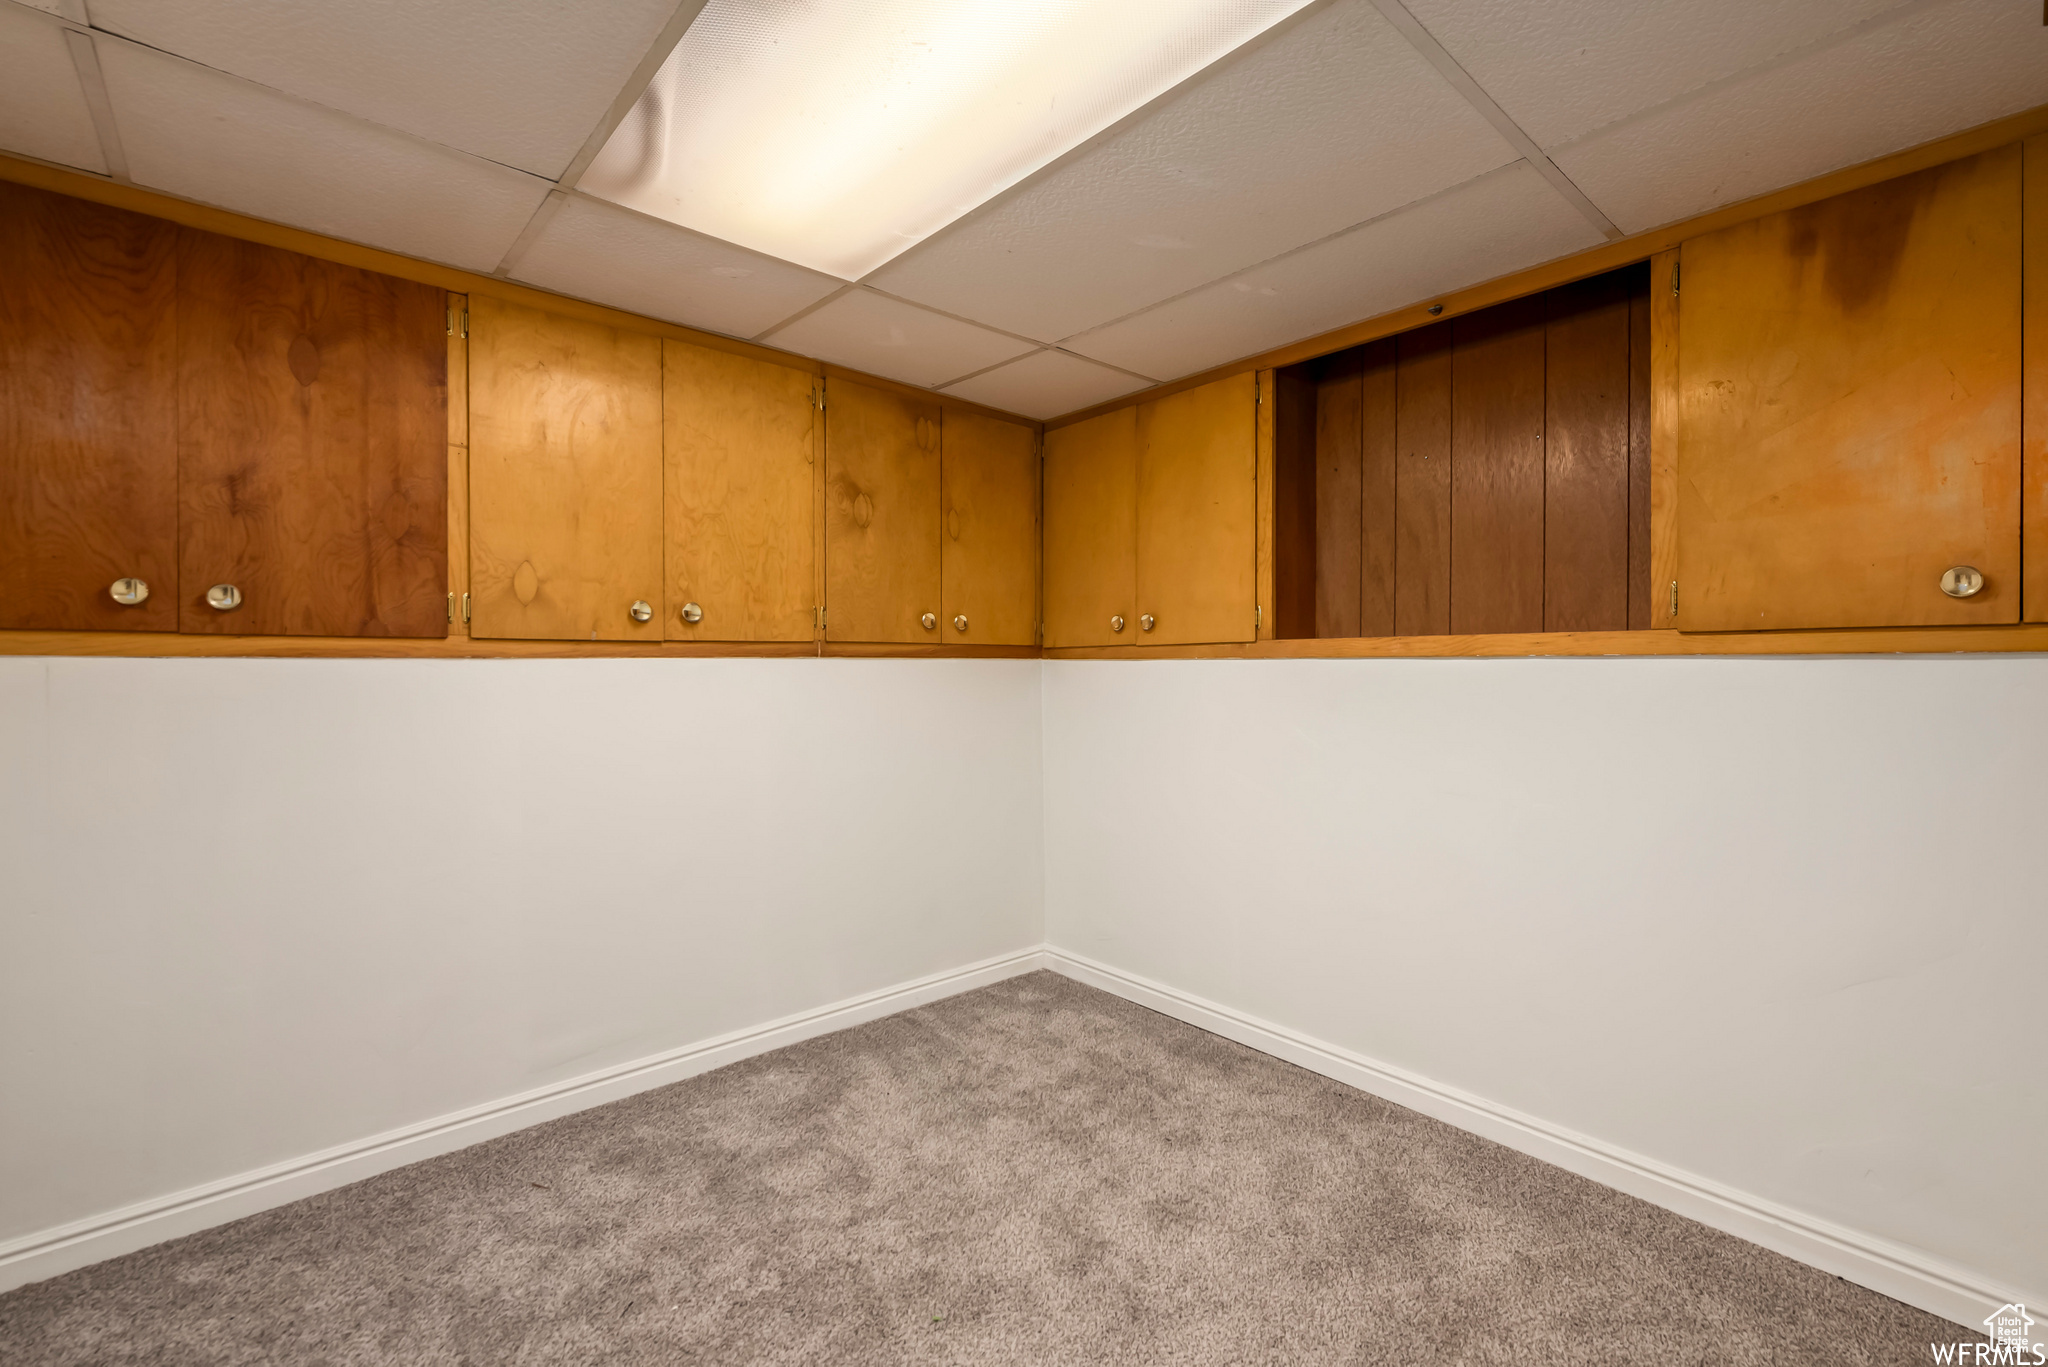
<point x="312" y="445"/>
<point x="1849" y="378"/>
<point x="989" y="531"/>
<point x="741" y="442"/>
<point x="565" y="476"/>
<point x="88" y="414"/>
<point x="1151" y="512"/>
<point x="882" y="489"/>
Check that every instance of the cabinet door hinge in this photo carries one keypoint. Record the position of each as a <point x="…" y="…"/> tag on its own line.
<point x="1674" y="277"/>
<point x="820" y="614"/>
<point x="1259" y="617"/>
<point x="465" y="607"/>
<point x="451" y="606"/>
<point x="458" y="320"/>
<point x="1674" y="598"/>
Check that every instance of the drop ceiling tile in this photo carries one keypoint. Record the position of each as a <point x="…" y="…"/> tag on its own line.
<point x="1562" y="70"/>
<point x="523" y="82"/>
<point x="1046" y="384"/>
<point x="42" y="106"/>
<point x="1334" y="120"/>
<point x="1505" y="221"/>
<point x="885" y="336"/>
<point x="612" y="256"/>
<point x="210" y="137"/>
<point x="1930" y="72"/>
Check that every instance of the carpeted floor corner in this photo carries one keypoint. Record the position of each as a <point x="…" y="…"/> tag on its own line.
<point x="1035" y="1172"/>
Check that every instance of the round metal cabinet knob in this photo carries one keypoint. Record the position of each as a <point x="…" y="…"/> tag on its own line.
<point x="930" y="620"/>
<point x="1961" y="581"/>
<point x="128" y="592"/>
<point x="223" y="598"/>
<point x="641" y="611"/>
<point x="692" y="613"/>
<point x="1116" y="624"/>
<point x="1146" y="621"/>
<point x="960" y="624"/>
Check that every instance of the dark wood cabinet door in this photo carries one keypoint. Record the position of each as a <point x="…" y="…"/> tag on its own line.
<point x="88" y="409"/>
<point x="312" y="445"/>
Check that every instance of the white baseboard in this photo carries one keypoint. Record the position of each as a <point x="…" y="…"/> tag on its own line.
<point x="49" y="1252"/>
<point x="1905" y="1274"/>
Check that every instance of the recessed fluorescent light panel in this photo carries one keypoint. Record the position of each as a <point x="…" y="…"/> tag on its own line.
<point x="839" y="133"/>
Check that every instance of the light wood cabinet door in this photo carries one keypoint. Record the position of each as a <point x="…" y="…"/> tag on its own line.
<point x="88" y="414"/>
<point x="1198" y="514"/>
<point x="1849" y="424"/>
<point x="740" y="440"/>
<point x="2034" y="422"/>
<point x="312" y="445"/>
<point x="989" y="537"/>
<point x="881" y="515"/>
<point x="1091" y="531"/>
<point x="564" y="476"/>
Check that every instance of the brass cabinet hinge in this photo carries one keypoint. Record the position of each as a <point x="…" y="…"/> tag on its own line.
<point x="1259" y="617"/>
<point x="451" y="606"/>
<point x="1674" y="598"/>
<point x="465" y="607"/>
<point x="454" y="320"/>
<point x="1674" y="277"/>
<point x="819" y="612"/>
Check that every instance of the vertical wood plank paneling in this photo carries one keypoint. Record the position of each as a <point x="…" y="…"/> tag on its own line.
<point x="1296" y="502"/>
<point x="564" y="476"/>
<point x="1198" y="513"/>
<point x="312" y="444"/>
<point x="2034" y="419"/>
<point x="737" y="453"/>
<point x="1664" y="294"/>
<point x="989" y="538"/>
<point x="1091" y="531"/>
<point x="1586" y="456"/>
<point x="88" y="414"/>
<point x="1639" y="595"/>
<point x="882" y="561"/>
<point x="1379" y="460"/>
<point x="1497" y="472"/>
<point x="1339" y="492"/>
<point x="1422" y="534"/>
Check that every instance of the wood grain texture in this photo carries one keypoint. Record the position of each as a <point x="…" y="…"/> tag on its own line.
<point x="1664" y="296"/>
<point x="1091" y="530"/>
<point x="739" y="463"/>
<point x="1497" y="469"/>
<point x="1586" y="456"/>
<point x="882" y="560"/>
<point x="1296" y="505"/>
<point x="1197" y="513"/>
<point x="172" y="644"/>
<point x="1339" y="493"/>
<point x="1640" y="594"/>
<point x="1267" y="551"/>
<point x="1422" y="494"/>
<point x="458" y="463"/>
<point x="88" y="414"/>
<point x="1850" y="407"/>
<point x="312" y="444"/>
<point x="989" y="533"/>
<point x="1379" y="486"/>
<point x="2034" y="420"/>
<point x="564" y="476"/>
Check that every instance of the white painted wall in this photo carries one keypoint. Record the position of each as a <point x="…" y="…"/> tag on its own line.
<point x="1779" y="923"/>
<point x="251" y="909"/>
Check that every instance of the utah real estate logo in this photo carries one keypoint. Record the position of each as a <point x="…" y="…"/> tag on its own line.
<point x="2009" y="1328"/>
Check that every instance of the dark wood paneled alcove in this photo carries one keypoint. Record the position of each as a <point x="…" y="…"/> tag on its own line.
<point x="1489" y="473"/>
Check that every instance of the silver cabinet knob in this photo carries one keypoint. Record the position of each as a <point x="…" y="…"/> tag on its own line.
<point x="692" y="613"/>
<point x="930" y="620"/>
<point x="641" y="611"/>
<point x="223" y="598"/>
<point x="1961" y="581"/>
<point x="1116" y="624"/>
<point x="1146" y="621"/>
<point x="960" y="624"/>
<point x="128" y="592"/>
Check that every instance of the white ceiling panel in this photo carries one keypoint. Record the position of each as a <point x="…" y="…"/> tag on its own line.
<point x="523" y="82"/>
<point x="210" y="137"/>
<point x="1046" y="384"/>
<point x="1931" y="72"/>
<point x="42" y="106"/>
<point x="1562" y="70"/>
<point x="70" y="9"/>
<point x="612" y="256"/>
<point x="884" y="336"/>
<point x="1502" y="222"/>
<point x="1334" y="120"/>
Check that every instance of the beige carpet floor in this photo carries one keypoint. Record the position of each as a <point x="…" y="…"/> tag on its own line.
<point x="1032" y="1173"/>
